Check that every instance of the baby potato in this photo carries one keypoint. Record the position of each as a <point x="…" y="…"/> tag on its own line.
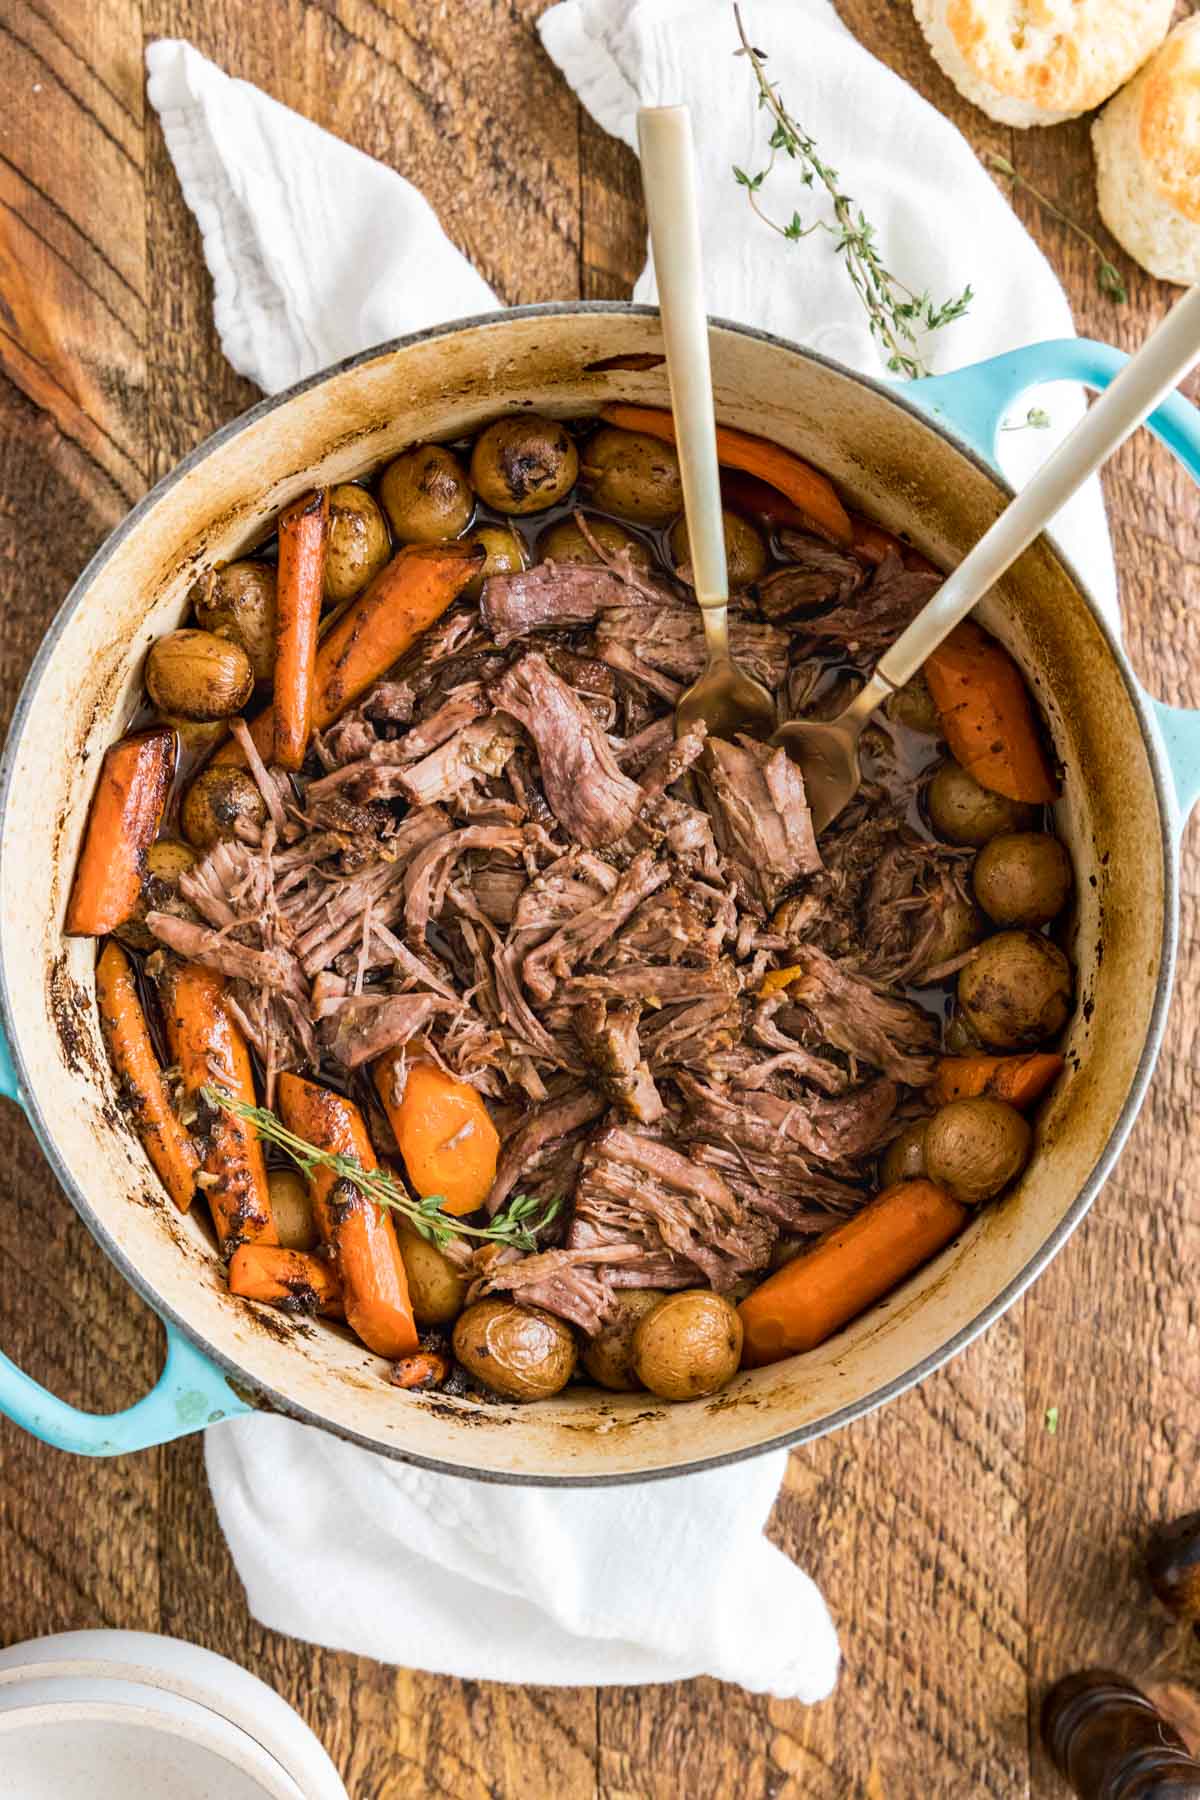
<point x="197" y="737"/>
<point x="503" y="554"/>
<point x="292" y="1209"/>
<point x="959" y="926"/>
<point x="974" y="1148"/>
<point x="426" y="495"/>
<point x="166" y="861"/>
<point x="962" y="812"/>
<point x="220" y="798"/>
<point x="1016" y="990"/>
<point x="633" y="475"/>
<point x="435" y="1287"/>
<point x="1023" y="878"/>
<point x="565" y="543"/>
<point x="687" y="1346"/>
<point x="524" y="464"/>
<point x="904" y="1158"/>
<point x="519" y="1352"/>
<point x="198" y="675"/>
<point x="239" y="604"/>
<point x="745" y="551"/>
<point x="912" y="706"/>
<point x="608" y="1358"/>
<point x="359" y="543"/>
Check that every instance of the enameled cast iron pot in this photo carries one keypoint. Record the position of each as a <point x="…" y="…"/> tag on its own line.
<point x="916" y="459"/>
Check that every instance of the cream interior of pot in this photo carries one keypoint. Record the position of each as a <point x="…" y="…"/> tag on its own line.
<point x="891" y="465"/>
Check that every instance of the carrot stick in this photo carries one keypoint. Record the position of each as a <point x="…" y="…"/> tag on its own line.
<point x="424" y="1370"/>
<point x="303" y="539"/>
<point x="358" y="1231"/>
<point x="209" y="1047"/>
<point x="140" y="1078"/>
<point x="444" y="1132"/>
<point x="743" y="493"/>
<point x="812" y="492"/>
<point x="293" y="1279"/>
<point x="820" y="1290"/>
<point x="987" y="717"/>
<point x="405" y="598"/>
<point x="126" y="812"/>
<point x="1021" y="1080"/>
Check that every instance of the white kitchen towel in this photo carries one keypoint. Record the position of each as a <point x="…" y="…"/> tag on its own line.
<point x="670" y="1579"/>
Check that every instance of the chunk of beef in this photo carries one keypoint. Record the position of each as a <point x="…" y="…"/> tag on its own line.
<point x="576" y="1285"/>
<point x="874" y="616"/>
<point x="479" y="749"/>
<point x="461" y="706"/>
<point x="544" y="1127"/>
<point x="756" y="800"/>
<point x="670" y="641"/>
<point x="832" y="1130"/>
<point x="555" y="959"/>
<point x="276" y="968"/>
<point x="656" y="984"/>
<point x="858" y="1017"/>
<point x="429" y="871"/>
<point x="670" y="928"/>
<point x="550" y="597"/>
<point x="359" y="1027"/>
<point x="674" y="760"/>
<point x="816" y="576"/>
<point x="609" y="1036"/>
<point x="591" y="799"/>
<point x="782" y="1184"/>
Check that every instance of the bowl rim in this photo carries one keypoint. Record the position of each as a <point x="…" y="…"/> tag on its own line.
<point x="268" y="1399"/>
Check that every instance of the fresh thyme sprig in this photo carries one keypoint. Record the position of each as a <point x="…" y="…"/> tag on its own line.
<point x="895" y="313"/>
<point x="1108" y="276"/>
<point x="1036" y="419"/>
<point x="516" y="1227"/>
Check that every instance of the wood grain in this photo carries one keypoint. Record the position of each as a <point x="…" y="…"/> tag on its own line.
<point x="969" y="1555"/>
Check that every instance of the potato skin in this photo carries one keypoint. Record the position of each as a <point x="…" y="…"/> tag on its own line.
<point x="1016" y="990"/>
<point x="745" y="551"/>
<point x="359" y="542"/>
<point x="239" y="604"/>
<point x="435" y="1287"/>
<point x="608" y="1357"/>
<point x="633" y="475"/>
<point x="975" y="1148"/>
<point x="687" y="1346"/>
<point x="166" y="861"/>
<point x="565" y="543"/>
<point x="962" y="812"/>
<point x="904" y="1158"/>
<point x="426" y="495"/>
<point x="1023" y="878"/>
<point x="912" y="706"/>
<point x="503" y="554"/>
<point x="292" y="1209"/>
<point x="220" y="796"/>
<point x="198" y="675"/>
<point x="519" y="1352"/>
<point x="524" y="463"/>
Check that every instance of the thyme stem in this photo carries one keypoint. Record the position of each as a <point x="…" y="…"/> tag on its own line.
<point x="1108" y="276"/>
<point x="894" y="311"/>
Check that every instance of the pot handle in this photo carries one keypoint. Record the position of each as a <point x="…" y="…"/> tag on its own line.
<point x="190" y="1393"/>
<point x="975" y="401"/>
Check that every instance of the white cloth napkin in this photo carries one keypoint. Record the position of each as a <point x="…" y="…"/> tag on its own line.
<point x="664" y="1580"/>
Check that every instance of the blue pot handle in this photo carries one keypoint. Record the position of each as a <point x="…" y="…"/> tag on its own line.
<point x="190" y="1393"/>
<point x="975" y="402"/>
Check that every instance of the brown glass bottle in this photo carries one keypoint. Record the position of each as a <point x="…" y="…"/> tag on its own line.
<point x="1111" y="1743"/>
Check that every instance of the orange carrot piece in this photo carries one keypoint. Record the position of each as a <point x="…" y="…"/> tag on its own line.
<point x="359" y="1232"/>
<point x="813" y="493"/>
<point x="210" y="1048"/>
<point x="140" y="1078"/>
<point x="443" y="1130"/>
<point x="822" y="1289"/>
<point x="293" y="1279"/>
<point x="424" y="1370"/>
<point x="303" y="540"/>
<point x="405" y="598"/>
<point x="126" y="812"/>
<point x="743" y="493"/>
<point x="1021" y="1080"/>
<point x="987" y="716"/>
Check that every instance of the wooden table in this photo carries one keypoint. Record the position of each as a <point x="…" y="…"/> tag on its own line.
<point x="968" y="1553"/>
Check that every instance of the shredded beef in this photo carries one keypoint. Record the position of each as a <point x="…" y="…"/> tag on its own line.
<point x="591" y="799"/>
<point x="609" y="1035"/>
<point x="871" y="618"/>
<point x="760" y="813"/>
<point x="854" y="1015"/>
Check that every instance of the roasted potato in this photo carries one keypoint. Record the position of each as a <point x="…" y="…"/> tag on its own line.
<point x="632" y="475"/>
<point x="292" y="1209"/>
<point x="166" y="861"/>
<point x="524" y="464"/>
<point x="435" y="1287"/>
<point x="519" y="1352"/>
<point x="1023" y="878"/>
<point x="745" y="551"/>
<point x="962" y="812"/>
<point x="912" y="706"/>
<point x="959" y="926"/>
<point x="198" y="675"/>
<point x="960" y="1038"/>
<point x="503" y="553"/>
<point x="359" y="543"/>
<point x="426" y="495"/>
<point x="220" y="798"/>
<point x="238" y="603"/>
<point x="689" y="1345"/>
<point x="974" y="1148"/>
<point x="608" y="1358"/>
<point x="904" y="1158"/>
<point x="565" y="543"/>
<point x="1016" y="990"/>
